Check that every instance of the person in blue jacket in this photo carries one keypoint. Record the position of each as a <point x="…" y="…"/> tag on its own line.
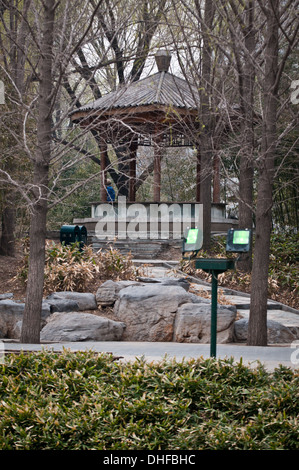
<point x="110" y="192"/>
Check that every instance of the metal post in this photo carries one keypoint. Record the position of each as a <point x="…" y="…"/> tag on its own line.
<point x="214" y="314"/>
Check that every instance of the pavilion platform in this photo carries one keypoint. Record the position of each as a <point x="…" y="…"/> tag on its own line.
<point x="148" y="229"/>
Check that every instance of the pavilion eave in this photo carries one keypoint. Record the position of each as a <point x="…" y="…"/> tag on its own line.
<point x="173" y="127"/>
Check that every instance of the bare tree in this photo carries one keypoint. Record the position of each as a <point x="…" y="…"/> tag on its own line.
<point x="265" y="46"/>
<point x="191" y="28"/>
<point x="34" y="293"/>
<point x="256" y="38"/>
<point x="243" y="40"/>
<point x="206" y="117"/>
<point x="129" y="29"/>
<point x="57" y="61"/>
<point x="257" y="331"/>
<point x="47" y="59"/>
<point x="13" y="26"/>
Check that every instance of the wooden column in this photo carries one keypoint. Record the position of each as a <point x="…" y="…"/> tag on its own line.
<point x="198" y="175"/>
<point x="132" y="174"/>
<point x="157" y="165"/>
<point x="103" y="150"/>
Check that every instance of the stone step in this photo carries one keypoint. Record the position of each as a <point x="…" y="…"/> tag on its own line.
<point x="243" y="303"/>
<point x="289" y="323"/>
<point x="146" y="249"/>
<point x="132" y="241"/>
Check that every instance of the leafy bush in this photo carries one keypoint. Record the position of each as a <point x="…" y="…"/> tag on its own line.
<point x="284" y="260"/>
<point x="69" y="268"/>
<point x="88" y="401"/>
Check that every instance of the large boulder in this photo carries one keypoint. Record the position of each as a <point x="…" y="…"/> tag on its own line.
<point x="11" y="313"/>
<point x="193" y="323"/>
<point x="276" y="332"/>
<point x="62" y="305"/>
<point x="8" y="295"/>
<point x="107" y="293"/>
<point x="85" y="301"/>
<point x="149" y="311"/>
<point x="79" y="326"/>
<point x="166" y="281"/>
<point x="196" y="299"/>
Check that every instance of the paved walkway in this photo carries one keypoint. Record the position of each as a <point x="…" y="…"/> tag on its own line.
<point x="270" y="356"/>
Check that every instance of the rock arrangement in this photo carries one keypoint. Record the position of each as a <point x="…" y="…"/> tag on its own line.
<point x="149" y="309"/>
<point x="76" y="326"/>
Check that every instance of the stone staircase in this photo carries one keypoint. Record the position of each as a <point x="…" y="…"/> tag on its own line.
<point x="140" y="249"/>
<point x="146" y="249"/>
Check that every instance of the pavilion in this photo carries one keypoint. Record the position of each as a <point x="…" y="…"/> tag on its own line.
<point x="161" y="111"/>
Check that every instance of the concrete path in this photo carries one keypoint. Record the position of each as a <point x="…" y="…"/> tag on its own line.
<point x="270" y="356"/>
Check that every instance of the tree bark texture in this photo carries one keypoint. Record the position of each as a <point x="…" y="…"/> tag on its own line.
<point x="17" y="39"/>
<point x="257" y="329"/>
<point x="206" y="149"/>
<point x="247" y="131"/>
<point x="123" y="158"/>
<point x="7" y="242"/>
<point x="34" y="295"/>
<point x="103" y="149"/>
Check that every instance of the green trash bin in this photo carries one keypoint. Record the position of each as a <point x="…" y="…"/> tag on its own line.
<point x="83" y="235"/>
<point x="70" y="234"/>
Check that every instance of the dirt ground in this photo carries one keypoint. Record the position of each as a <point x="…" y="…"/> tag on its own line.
<point x="8" y="268"/>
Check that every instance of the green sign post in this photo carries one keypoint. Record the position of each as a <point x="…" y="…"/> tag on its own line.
<point x="238" y="241"/>
<point x="214" y="266"/>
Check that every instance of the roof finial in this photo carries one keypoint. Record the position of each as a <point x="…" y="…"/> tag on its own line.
<point x="163" y="59"/>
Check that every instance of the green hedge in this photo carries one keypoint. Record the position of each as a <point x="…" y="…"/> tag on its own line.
<point x="88" y="401"/>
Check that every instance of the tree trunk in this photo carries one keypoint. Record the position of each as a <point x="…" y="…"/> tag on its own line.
<point x="206" y="119"/>
<point x="123" y="159"/>
<point x="17" y="56"/>
<point x="257" y="329"/>
<point x="7" y="242"/>
<point x="34" y="295"/>
<point x="247" y="131"/>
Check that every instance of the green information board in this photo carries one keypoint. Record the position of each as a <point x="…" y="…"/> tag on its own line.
<point x="241" y="237"/>
<point x="192" y="241"/>
<point x="192" y="236"/>
<point x="238" y="240"/>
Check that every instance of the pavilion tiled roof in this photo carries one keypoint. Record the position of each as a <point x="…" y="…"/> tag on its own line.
<point x="162" y="89"/>
<point x="161" y="104"/>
